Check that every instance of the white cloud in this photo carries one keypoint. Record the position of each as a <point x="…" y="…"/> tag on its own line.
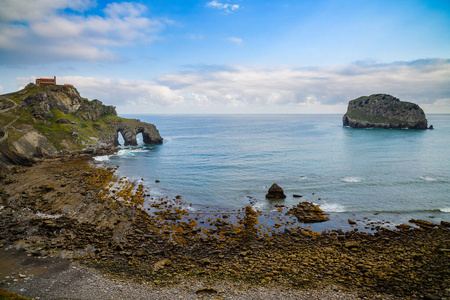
<point x="235" y="40"/>
<point x="226" y="8"/>
<point x="237" y="89"/>
<point x="26" y="10"/>
<point x="125" y="9"/>
<point x="53" y="35"/>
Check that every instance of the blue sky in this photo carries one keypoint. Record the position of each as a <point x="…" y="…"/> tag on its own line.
<point x="237" y="56"/>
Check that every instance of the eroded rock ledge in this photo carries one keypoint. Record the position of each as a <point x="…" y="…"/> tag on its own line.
<point x="384" y="111"/>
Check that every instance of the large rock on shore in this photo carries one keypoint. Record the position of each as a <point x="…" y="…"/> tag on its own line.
<point x="306" y="212"/>
<point x="384" y="111"/>
<point x="275" y="192"/>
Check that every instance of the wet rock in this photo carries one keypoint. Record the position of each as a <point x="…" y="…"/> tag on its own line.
<point x="445" y="224"/>
<point x="404" y="227"/>
<point x="205" y="261"/>
<point x="306" y="212"/>
<point x="275" y="192"/>
<point x="160" y="264"/>
<point x="140" y="252"/>
<point x="206" y="291"/>
<point x="351" y="245"/>
<point x="423" y="224"/>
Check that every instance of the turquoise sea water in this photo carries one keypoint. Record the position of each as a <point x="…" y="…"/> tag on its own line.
<point x="226" y="162"/>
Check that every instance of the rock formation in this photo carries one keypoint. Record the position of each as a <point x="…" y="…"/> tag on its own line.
<point x="131" y="128"/>
<point x="384" y="111"/>
<point x="306" y="212"/>
<point x="275" y="192"/>
<point x="43" y="120"/>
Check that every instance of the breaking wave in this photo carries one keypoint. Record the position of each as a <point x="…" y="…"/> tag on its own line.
<point x="351" y="179"/>
<point x="428" y="178"/>
<point x="102" y="158"/>
<point x="332" y="207"/>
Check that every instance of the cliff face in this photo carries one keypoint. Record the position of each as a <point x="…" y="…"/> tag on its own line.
<point x="41" y="121"/>
<point x="384" y="111"/>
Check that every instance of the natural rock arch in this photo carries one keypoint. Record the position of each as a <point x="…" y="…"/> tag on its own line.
<point x="150" y="134"/>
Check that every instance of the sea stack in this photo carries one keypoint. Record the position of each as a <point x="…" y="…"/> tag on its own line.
<point x="275" y="192"/>
<point x="384" y="111"/>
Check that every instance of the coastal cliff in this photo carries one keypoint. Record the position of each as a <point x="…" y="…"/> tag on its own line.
<point x="384" y="111"/>
<point x="44" y="120"/>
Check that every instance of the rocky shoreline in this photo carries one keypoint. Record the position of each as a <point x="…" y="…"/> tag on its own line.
<point x="68" y="208"/>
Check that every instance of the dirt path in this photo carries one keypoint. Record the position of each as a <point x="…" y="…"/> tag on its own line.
<point x="3" y="112"/>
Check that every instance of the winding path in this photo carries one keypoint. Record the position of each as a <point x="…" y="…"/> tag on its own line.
<point x="4" y="112"/>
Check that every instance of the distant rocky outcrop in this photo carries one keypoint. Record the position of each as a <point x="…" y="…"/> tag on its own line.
<point x="384" y="111"/>
<point x="44" y="120"/>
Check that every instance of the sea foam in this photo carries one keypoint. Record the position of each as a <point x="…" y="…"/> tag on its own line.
<point x="428" y="178"/>
<point x="351" y="179"/>
<point x="102" y="158"/>
<point x="130" y="151"/>
<point x="332" y="207"/>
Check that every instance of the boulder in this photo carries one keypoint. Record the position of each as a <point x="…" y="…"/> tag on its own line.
<point x="160" y="264"/>
<point x="306" y="212"/>
<point x="34" y="144"/>
<point x="275" y="192"/>
<point x="63" y="121"/>
<point x="383" y="111"/>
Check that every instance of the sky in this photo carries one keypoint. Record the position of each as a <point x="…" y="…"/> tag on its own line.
<point x="231" y="56"/>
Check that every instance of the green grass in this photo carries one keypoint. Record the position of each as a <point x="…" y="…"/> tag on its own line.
<point x="5" y="295"/>
<point x="360" y="116"/>
<point x="76" y="134"/>
<point x="5" y="120"/>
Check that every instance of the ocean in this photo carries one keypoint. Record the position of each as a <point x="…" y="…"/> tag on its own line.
<point x="222" y="163"/>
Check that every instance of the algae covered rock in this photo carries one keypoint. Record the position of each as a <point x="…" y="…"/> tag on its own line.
<point x="307" y="212"/>
<point x="384" y="111"/>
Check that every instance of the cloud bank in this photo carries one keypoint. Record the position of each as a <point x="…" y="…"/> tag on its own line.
<point x="55" y="30"/>
<point x="238" y="89"/>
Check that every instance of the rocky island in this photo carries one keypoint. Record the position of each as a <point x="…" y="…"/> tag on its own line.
<point x="384" y="111"/>
<point x="44" y="120"/>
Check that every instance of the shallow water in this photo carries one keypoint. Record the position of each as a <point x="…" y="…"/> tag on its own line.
<point x="225" y="162"/>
